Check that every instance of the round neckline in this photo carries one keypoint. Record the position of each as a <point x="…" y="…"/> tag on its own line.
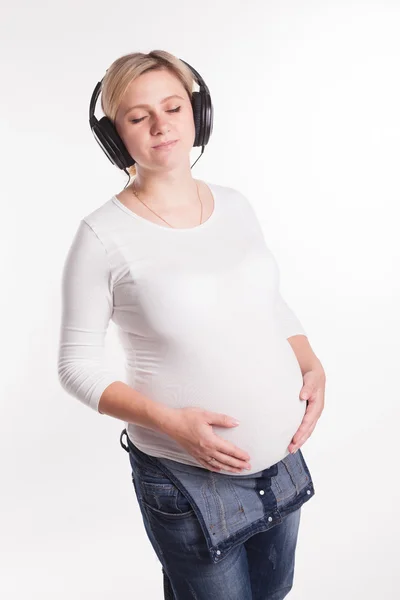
<point x="203" y="225"/>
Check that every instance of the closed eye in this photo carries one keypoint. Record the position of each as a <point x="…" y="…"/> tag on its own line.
<point x="174" y="110"/>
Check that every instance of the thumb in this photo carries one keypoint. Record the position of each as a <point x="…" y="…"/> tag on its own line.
<point x="305" y="393"/>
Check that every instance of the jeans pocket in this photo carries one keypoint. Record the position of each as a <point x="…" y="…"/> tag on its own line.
<point x="158" y="493"/>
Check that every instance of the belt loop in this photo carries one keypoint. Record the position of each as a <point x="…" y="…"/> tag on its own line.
<point x="121" y="442"/>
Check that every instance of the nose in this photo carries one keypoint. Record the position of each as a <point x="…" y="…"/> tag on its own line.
<point x="160" y="125"/>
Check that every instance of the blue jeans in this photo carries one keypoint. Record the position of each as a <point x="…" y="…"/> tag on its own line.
<point x="261" y="568"/>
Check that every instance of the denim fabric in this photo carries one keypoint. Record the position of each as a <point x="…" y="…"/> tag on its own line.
<point x="198" y="518"/>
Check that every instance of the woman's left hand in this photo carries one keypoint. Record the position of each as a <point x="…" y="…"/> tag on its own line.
<point x="313" y="391"/>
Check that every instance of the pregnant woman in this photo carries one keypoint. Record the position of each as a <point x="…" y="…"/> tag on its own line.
<point x="222" y="387"/>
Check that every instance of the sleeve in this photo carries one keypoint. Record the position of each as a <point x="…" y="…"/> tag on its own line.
<point x="87" y="306"/>
<point x="288" y="320"/>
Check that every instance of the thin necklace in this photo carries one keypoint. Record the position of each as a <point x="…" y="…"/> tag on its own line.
<point x="198" y="195"/>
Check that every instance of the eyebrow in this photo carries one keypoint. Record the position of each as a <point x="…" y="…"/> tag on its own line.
<point x="148" y="105"/>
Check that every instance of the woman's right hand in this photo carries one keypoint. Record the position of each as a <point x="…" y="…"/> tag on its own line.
<point x="191" y="428"/>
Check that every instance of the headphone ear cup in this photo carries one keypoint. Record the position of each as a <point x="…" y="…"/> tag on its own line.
<point x="111" y="143"/>
<point x="208" y="119"/>
<point x="197" y="116"/>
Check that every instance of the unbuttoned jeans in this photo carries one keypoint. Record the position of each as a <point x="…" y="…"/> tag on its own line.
<point x="261" y="568"/>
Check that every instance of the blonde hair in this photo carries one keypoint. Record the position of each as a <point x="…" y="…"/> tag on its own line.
<point x="129" y="67"/>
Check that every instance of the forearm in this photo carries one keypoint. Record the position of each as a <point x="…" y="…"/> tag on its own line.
<point x="123" y="402"/>
<point x="305" y="355"/>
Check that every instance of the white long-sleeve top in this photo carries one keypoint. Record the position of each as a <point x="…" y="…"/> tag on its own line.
<point x="200" y="318"/>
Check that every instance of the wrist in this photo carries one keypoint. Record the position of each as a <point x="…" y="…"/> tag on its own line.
<point x="161" y="416"/>
<point x="316" y="367"/>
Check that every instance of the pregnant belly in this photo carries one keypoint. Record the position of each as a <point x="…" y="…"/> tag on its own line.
<point x="258" y="385"/>
<point x="264" y="397"/>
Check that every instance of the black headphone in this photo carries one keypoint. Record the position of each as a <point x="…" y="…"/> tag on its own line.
<point x="109" y="140"/>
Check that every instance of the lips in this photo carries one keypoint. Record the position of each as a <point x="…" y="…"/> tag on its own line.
<point x="164" y="144"/>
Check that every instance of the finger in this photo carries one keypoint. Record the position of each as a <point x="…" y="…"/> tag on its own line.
<point x="305" y="437"/>
<point x="230" y="461"/>
<point x="219" y="465"/>
<point x="307" y="421"/>
<point x="214" y="465"/>
<point x="312" y="407"/>
<point x="230" y="449"/>
<point x="209" y="465"/>
<point x="301" y="432"/>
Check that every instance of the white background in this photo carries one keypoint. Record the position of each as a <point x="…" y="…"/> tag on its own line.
<point x="306" y="98"/>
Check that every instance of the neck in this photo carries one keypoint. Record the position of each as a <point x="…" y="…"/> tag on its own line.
<point x="173" y="187"/>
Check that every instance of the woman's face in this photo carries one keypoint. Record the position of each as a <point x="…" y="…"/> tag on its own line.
<point x="157" y="120"/>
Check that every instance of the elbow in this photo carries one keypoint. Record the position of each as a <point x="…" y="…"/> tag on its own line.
<point x="76" y="379"/>
<point x="84" y="379"/>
